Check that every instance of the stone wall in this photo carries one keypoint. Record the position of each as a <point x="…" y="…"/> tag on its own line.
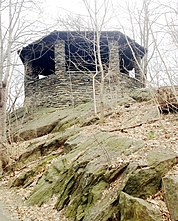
<point x="51" y="91"/>
<point x="75" y="88"/>
<point x="71" y="88"/>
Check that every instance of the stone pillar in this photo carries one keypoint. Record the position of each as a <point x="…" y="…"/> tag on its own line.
<point x="30" y="75"/>
<point x="60" y="66"/>
<point x="114" y="63"/>
<point x="138" y="72"/>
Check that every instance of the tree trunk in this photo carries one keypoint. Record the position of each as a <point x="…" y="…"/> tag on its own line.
<point x="2" y="112"/>
<point x="3" y="155"/>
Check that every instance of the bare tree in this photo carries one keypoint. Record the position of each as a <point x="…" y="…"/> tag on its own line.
<point x="14" y="30"/>
<point x="157" y="22"/>
<point x="97" y="16"/>
<point x="94" y="21"/>
<point x="142" y="19"/>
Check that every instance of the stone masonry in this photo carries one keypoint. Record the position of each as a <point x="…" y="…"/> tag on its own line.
<point x="70" y="88"/>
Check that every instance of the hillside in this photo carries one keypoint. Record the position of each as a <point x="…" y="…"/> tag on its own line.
<point x="75" y="168"/>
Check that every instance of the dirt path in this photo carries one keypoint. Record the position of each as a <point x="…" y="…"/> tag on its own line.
<point x="9" y="202"/>
<point x="4" y="214"/>
<point x="13" y="207"/>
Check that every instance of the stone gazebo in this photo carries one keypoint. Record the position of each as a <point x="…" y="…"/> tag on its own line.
<point x="59" y="67"/>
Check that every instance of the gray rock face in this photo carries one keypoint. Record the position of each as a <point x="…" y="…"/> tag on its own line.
<point x="81" y="177"/>
<point x="96" y="175"/>
<point x="170" y="187"/>
<point x="47" y="120"/>
<point x="89" y="179"/>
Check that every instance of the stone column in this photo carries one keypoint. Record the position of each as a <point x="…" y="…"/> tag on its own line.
<point x="114" y="63"/>
<point x="30" y="74"/>
<point x="60" y="66"/>
<point x="138" y="72"/>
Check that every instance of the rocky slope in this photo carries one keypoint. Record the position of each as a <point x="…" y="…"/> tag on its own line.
<point x="125" y="169"/>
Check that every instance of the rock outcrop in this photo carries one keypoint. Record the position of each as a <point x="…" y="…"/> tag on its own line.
<point x="96" y="173"/>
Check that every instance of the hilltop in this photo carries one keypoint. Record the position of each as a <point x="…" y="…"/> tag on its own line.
<point x="74" y="168"/>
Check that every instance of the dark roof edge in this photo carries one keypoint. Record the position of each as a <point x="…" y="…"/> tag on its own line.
<point x="55" y="32"/>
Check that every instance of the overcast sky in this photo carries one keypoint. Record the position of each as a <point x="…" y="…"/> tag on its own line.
<point x="116" y="16"/>
<point x="162" y="13"/>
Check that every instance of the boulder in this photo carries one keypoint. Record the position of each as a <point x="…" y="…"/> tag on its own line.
<point x="142" y="94"/>
<point x="146" y="180"/>
<point x="136" y="209"/>
<point x="170" y="188"/>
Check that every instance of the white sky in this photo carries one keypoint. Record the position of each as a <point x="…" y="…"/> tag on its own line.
<point x="118" y="16"/>
<point x="115" y="12"/>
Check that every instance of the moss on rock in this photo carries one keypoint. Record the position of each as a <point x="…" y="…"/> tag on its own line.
<point x="80" y="177"/>
<point x="146" y="181"/>
<point x="135" y="209"/>
<point x="48" y="120"/>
